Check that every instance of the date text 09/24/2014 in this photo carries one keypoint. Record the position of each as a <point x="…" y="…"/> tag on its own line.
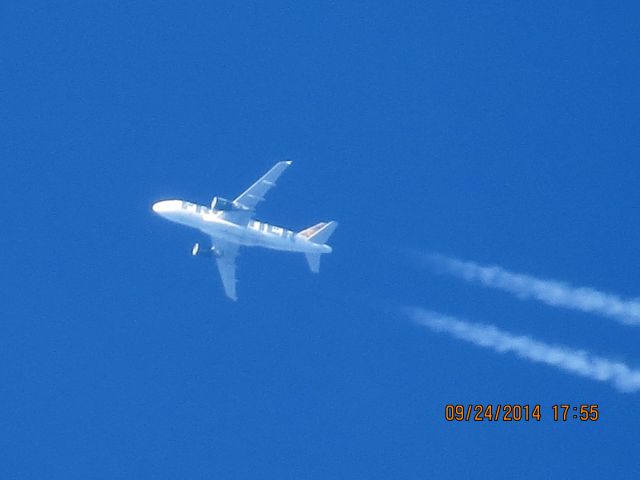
<point x="515" y="412"/>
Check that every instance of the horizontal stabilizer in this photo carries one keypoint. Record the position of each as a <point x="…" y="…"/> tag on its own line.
<point x="313" y="259"/>
<point x="320" y="232"/>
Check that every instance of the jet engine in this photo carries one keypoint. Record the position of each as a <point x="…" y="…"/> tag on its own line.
<point x="199" y="251"/>
<point x="219" y="203"/>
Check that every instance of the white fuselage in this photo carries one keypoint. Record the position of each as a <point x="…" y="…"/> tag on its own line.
<point x="253" y="234"/>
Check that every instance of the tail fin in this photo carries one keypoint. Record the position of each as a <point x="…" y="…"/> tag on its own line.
<point x="320" y="232"/>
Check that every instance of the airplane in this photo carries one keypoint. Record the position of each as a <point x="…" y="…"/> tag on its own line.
<point x="230" y="225"/>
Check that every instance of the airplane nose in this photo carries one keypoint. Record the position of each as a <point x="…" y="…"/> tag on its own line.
<point x="162" y="207"/>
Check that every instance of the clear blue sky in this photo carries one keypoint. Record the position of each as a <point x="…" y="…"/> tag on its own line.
<point x="501" y="132"/>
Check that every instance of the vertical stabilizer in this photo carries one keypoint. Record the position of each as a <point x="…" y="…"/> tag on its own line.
<point x="320" y="232"/>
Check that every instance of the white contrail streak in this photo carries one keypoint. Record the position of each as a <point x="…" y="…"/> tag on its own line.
<point x="578" y="362"/>
<point x="551" y="292"/>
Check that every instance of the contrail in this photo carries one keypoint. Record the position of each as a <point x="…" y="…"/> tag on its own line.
<point x="578" y="362"/>
<point x="551" y="292"/>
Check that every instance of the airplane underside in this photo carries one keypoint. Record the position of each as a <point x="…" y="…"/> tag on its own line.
<point x="229" y="225"/>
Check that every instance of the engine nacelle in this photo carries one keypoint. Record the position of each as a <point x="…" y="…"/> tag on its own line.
<point x="199" y="251"/>
<point x="219" y="203"/>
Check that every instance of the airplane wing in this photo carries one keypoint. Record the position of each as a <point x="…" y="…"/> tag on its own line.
<point x="226" y="260"/>
<point x="256" y="192"/>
